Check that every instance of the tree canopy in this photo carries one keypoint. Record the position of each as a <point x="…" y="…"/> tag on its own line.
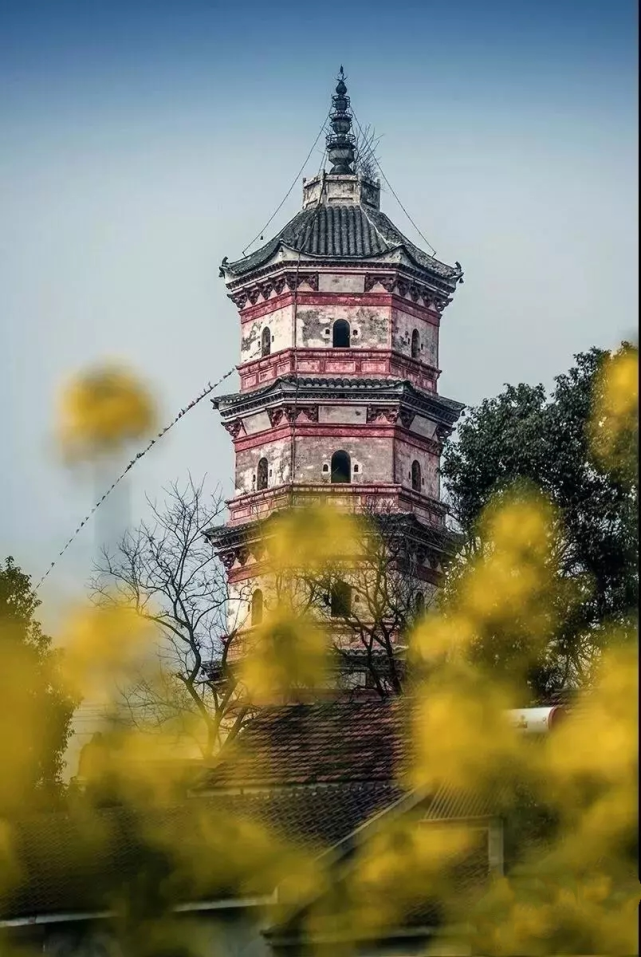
<point x="528" y="437"/>
<point x="36" y="716"/>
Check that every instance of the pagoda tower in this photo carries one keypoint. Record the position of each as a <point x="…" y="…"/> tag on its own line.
<point x="340" y="316"/>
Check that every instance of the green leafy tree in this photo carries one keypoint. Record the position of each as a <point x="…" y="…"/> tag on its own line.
<point x="36" y="716"/>
<point x="528" y="437"/>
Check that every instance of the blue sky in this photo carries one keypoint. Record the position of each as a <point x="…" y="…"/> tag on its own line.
<point x="142" y="142"/>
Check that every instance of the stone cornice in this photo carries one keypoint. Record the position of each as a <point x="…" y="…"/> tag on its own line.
<point x="324" y="352"/>
<point x="284" y="279"/>
<point x="406" y="287"/>
<point x="278" y="276"/>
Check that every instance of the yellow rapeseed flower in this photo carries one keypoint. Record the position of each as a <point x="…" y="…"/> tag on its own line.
<point x="102" y="645"/>
<point x="102" y="409"/>
<point x="285" y="655"/>
<point x="310" y="539"/>
<point x="614" y="422"/>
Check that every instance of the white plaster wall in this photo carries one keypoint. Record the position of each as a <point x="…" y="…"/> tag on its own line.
<point x="369" y="325"/>
<point x="240" y="593"/>
<point x="345" y="414"/>
<point x="280" y="326"/>
<point x="277" y="454"/>
<point x="372" y="455"/>
<point x="405" y="455"/>
<point x="240" y="596"/>
<point x="402" y="327"/>
<point x="337" y="282"/>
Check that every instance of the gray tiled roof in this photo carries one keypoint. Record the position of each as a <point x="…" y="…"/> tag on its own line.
<point x="319" y="743"/>
<point x="307" y="387"/>
<point x="74" y="863"/>
<point x="340" y="232"/>
<point x="333" y="742"/>
<point x="314" y="773"/>
<point x="405" y="523"/>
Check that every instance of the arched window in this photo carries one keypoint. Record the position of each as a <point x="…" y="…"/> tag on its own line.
<point x="341" y="468"/>
<point x="416" y="344"/>
<point x="257" y="607"/>
<point x="340" y="334"/>
<point x="266" y="342"/>
<point x="340" y="601"/>
<point x="262" y="473"/>
<point x="416" y="476"/>
<point x="419" y="603"/>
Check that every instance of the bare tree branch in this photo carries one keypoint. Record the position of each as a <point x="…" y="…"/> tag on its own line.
<point x="169" y="572"/>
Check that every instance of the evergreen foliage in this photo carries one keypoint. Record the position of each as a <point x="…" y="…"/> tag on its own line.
<point x="528" y="437"/>
<point x="35" y="720"/>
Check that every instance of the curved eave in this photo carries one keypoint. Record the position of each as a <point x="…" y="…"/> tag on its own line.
<point x="406" y="524"/>
<point x="347" y="234"/>
<point x="385" y="258"/>
<point x="435" y="406"/>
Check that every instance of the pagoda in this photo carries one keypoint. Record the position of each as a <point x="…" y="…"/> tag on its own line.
<point x="339" y="365"/>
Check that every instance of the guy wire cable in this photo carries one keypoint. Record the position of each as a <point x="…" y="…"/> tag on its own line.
<point x="391" y="189"/>
<point x="209" y="388"/>
<point x="206" y="391"/>
<point x="295" y="180"/>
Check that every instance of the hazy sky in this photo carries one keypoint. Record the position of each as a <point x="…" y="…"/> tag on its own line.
<point x="141" y="142"/>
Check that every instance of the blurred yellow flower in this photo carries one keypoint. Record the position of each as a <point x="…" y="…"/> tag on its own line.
<point x="285" y="655"/>
<point x="614" y="424"/>
<point x="520" y="526"/>
<point x="103" y="644"/>
<point x="437" y="635"/>
<point x="313" y="538"/>
<point x="10" y="871"/>
<point x="102" y="409"/>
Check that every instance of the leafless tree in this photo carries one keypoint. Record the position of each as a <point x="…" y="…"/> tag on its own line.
<point x="368" y="600"/>
<point x="169" y="572"/>
<point x="366" y="144"/>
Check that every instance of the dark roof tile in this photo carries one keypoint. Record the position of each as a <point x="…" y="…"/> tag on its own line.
<point x="71" y="863"/>
<point x="341" y="232"/>
<point x="314" y="743"/>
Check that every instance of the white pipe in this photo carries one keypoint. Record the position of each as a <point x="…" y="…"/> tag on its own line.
<point x="536" y="720"/>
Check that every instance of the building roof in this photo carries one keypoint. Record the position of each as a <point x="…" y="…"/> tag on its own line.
<point x="311" y="774"/>
<point x="78" y="863"/>
<point x="320" y="743"/>
<point x="341" y="232"/>
<point x="304" y="388"/>
<point x="362" y="740"/>
<point x="441" y="540"/>
<point x="421" y="911"/>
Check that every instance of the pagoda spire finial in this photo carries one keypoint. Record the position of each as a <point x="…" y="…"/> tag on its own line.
<point x="341" y="143"/>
